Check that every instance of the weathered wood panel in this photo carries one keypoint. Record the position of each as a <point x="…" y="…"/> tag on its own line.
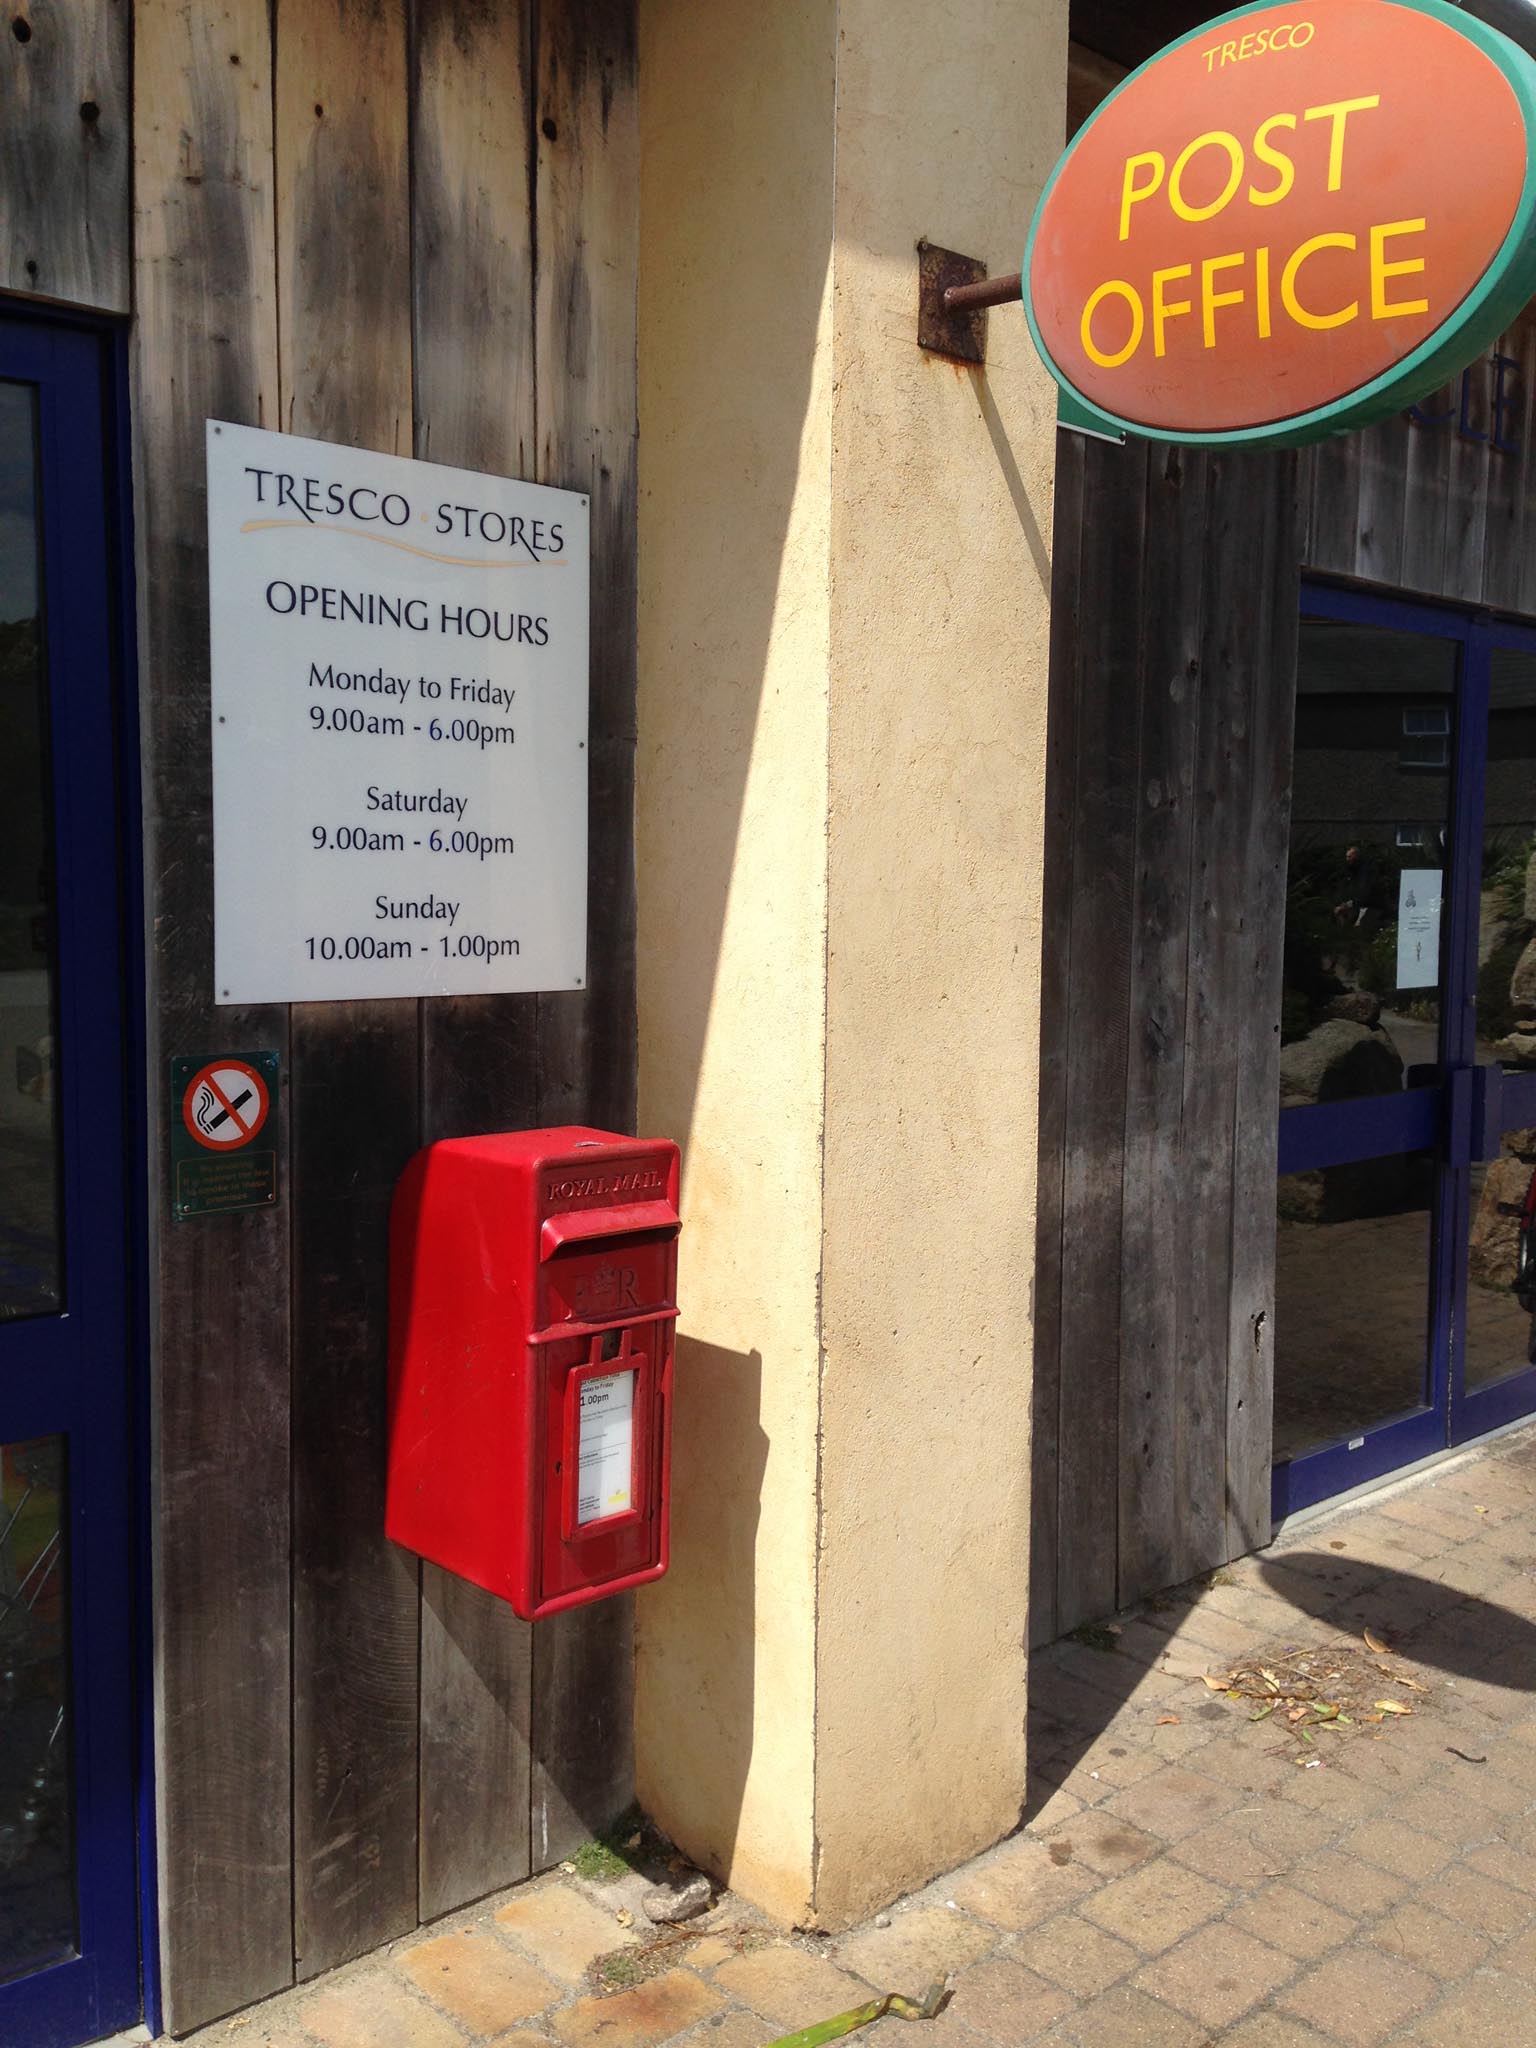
<point x="1218" y="1012"/>
<point x="472" y="241"/>
<point x="1055" y="981"/>
<point x="1509" y="473"/>
<point x="1430" y="505"/>
<point x="1261" y="944"/>
<point x="587" y="230"/>
<point x="205" y="263"/>
<point x="344" y="267"/>
<point x="1165" y="852"/>
<point x="1109" y="600"/>
<point x="1171" y="689"/>
<point x="65" y="152"/>
<point x="330" y="251"/>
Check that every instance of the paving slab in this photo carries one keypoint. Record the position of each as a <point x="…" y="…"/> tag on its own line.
<point x="1186" y="1875"/>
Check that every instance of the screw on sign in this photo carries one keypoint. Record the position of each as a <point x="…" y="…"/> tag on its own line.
<point x="225" y="1105"/>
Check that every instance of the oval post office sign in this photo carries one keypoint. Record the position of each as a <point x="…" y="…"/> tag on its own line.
<point x="1295" y="221"/>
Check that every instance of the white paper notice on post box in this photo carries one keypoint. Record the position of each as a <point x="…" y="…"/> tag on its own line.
<point x="606" y="1457"/>
<point x="399" y="701"/>
<point x="1418" y="928"/>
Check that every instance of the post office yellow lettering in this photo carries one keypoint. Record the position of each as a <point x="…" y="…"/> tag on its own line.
<point x="1164" y="310"/>
<point x="1292" y="304"/>
<point x="1381" y="270"/>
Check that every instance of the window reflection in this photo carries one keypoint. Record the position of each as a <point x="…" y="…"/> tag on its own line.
<point x="1370" y="818"/>
<point x="37" y="1880"/>
<point x="1506" y="948"/>
<point x="29" y="1133"/>
<point x="1352" y="1276"/>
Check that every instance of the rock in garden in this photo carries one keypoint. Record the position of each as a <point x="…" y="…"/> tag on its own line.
<point x="668" y="1903"/>
<point x="1522" y="983"/>
<point x="1357" y="1007"/>
<point x="1338" y="1060"/>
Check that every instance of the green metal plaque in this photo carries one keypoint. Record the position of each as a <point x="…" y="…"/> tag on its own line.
<point x="223" y="1131"/>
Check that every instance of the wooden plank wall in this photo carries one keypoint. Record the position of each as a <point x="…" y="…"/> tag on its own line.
<point x="65" y="95"/>
<point x="1172" y="683"/>
<point x="406" y="225"/>
<point x="1437" y="509"/>
<point x="1172" y="678"/>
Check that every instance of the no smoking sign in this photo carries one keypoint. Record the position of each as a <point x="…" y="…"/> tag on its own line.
<point x="225" y="1105"/>
<point x="223" y="1133"/>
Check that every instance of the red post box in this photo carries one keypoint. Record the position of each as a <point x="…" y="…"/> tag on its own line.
<point x="533" y="1292"/>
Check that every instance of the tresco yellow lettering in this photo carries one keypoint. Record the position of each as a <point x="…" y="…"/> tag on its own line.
<point x="1288" y="35"/>
<point x="1241" y="284"/>
<point x="1147" y="174"/>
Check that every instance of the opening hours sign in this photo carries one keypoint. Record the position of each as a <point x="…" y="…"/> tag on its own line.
<point x="399" y="666"/>
<point x="1294" y="221"/>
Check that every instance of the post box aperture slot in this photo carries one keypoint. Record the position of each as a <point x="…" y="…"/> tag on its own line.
<point x="575" y="1227"/>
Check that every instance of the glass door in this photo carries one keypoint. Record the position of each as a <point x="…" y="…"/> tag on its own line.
<point x="1406" y="1212"/>
<point x="68" y="1921"/>
<point x="1496" y="1217"/>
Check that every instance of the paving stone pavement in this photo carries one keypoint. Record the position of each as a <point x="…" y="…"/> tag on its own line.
<point x="1183" y="1877"/>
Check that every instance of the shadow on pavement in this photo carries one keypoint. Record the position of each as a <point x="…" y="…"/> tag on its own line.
<point x="1104" y="1695"/>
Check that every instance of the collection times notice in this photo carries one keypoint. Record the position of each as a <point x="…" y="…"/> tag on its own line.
<point x="399" y="710"/>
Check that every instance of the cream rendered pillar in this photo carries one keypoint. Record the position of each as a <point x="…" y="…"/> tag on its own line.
<point x="844" y="600"/>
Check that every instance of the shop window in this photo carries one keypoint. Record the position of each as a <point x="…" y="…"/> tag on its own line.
<point x="1426" y="741"/>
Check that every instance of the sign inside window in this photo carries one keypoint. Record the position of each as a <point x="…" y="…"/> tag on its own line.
<point x="1419" y="893"/>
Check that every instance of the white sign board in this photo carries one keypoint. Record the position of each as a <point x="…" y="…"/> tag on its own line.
<point x="399" y="725"/>
<point x="1418" y="928"/>
<point x="606" y="1451"/>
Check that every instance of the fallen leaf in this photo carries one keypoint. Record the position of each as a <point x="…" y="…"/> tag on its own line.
<point x="1392" y="1707"/>
<point x="1264" y="1712"/>
<point x="1374" y="1642"/>
<point x="1269" y="1679"/>
<point x="1303" y="1736"/>
<point x="1335" y="1545"/>
<point x="624" y="1917"/>
<point x="1297" y="1714"/>
<point x="1479" y="1511"/>
<point x="1167" y="1720"/>
<point x="1216" y="1684"/>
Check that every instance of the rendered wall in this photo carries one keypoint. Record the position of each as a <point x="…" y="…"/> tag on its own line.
<point x="736" y="197"/>
<point x="844" y="588"/>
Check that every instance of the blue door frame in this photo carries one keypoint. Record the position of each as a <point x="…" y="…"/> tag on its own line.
<point x="1459" y="1112"/>
<point x="75" y="1374"/>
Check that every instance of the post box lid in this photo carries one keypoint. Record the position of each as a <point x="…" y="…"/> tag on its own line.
<point x="622" y="1220"/>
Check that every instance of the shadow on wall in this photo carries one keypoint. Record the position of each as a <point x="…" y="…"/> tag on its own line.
<point x="719" y="1456"/>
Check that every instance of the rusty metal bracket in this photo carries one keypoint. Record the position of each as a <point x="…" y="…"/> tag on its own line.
<point x="961" y="333"/>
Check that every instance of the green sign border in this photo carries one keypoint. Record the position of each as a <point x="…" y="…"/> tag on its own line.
<point x="1506" y="287"/>
<point x="261" y="1159"/>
